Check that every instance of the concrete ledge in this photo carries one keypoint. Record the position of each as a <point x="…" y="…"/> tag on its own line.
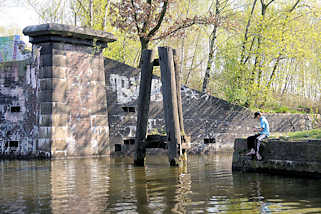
<point x="300" y="158"/>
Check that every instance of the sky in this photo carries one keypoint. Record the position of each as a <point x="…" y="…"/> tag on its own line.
<point x="15" y="14"/>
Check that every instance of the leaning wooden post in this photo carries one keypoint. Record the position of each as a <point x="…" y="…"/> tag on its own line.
<point x="178" y="90"/>
<point x="179" y="97"/>
<point x="143" y="106"/>
<point x="166" y="62"/>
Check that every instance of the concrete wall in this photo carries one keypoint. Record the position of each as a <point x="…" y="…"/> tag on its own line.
<point x="301" y="158"/>
<point x="212" y="123"/>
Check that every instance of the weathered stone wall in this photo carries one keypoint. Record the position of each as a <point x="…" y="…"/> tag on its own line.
<point x="298" y="157"/>
<point x="72" y="98"/>
<point x="73" y="117"/>
<point x="212" y="123"/>
<point x="18" y="106"/>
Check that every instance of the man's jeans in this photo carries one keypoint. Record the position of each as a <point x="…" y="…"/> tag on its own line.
<point x="254" y="142"/>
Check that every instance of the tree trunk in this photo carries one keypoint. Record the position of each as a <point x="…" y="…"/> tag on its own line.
<point x="258" y="58"/>
<point x="183" y="43"/>
<point x="281" y="52"/>
<point x="91" y="13"/>
<point x="193" y="59"/>
<point x="211" y="49"/>
<point x="247" y="31"/>
<point x="210" y="59"/>
<point x="105" y="16"/>
<point x="274" y="70"/>
<point x="143" y="46"/>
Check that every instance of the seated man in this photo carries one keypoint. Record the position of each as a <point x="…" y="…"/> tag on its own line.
<point x="254" y="142"/>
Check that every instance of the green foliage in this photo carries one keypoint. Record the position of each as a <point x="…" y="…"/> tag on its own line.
<point x="272" y="64"/>
<point x="125" y="50"/>
<point x="302" y="135"/>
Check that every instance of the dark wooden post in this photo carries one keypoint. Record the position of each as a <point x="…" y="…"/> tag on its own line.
<point x="166" y="62"/>
<point x="164" y="80"/>
<point x="143" y="106"/>
<point x="178" y="90"/>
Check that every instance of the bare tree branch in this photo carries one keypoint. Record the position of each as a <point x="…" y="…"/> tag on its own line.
<point x="161" y="18"/>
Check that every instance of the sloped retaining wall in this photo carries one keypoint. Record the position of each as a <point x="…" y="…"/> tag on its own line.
<point x="301" y="158"/>
<point x="212" y="123"/>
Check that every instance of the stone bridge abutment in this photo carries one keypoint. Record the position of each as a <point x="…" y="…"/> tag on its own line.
<point x="72" y="103"/>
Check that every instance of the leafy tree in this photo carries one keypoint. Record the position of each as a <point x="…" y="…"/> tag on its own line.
<point x="144" y="19"/>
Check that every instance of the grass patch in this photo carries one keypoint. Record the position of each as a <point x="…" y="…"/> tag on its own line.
<point x="301" y="135"/>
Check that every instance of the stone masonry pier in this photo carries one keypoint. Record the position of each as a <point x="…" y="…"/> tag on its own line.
<point x="302" y="158"/>
<point x="71" y="95"/>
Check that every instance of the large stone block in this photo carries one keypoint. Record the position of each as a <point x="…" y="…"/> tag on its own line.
<point x="99" y="121"/>
<point x="59" y="133"/>
<point x="45" y="132"/>
<point x="53" y="84"/>
<point x="44" y="144"/>
<point x="53" y="60"/>
<point x="58" y="95"/>
<point x="98" y="75"/>
<point x="45" y="60"/>
<point x="46" y="49"/>
<point x="58" y="145"/>
<point x="57" y="72"/>
<point x="53" y="120"/>
<point x="53" y="108"/>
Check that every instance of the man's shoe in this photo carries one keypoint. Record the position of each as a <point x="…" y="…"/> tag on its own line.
<point x="252" y="152"/>
<point x="258" y="157"/>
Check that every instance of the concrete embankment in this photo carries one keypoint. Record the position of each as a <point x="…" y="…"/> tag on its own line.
<point x="298" y="158"/>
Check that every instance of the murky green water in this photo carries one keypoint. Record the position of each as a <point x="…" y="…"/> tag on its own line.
<point x="205" y="185"/>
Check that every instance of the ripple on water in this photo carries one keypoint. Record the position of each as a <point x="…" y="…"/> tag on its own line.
<point x="205" y="184"/>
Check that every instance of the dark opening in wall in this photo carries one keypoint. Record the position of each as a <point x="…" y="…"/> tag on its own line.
<point x="15" y="109"/>
<point x="130" y="141"/>
<point x="209" y="140"/>
<point x="13" y="143"/>
<point x="129" y="109"/>
<point x="117" y="148"/>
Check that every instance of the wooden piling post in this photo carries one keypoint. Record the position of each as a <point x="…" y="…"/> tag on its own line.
<point x="166" y="62"/>
<point x="164" y="80"/>
<point x="178" y="90"/>
<point x="143" y="106"/>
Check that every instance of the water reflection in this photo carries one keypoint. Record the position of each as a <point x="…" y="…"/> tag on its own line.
<point x="80" y="185"/>
<point x="112" y="185"/>
<point x="25" y="187"/>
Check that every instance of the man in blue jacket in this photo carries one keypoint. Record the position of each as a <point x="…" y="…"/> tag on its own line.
<point x="254" y="142"/>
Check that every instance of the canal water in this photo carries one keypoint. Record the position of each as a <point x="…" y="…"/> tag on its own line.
<point x="112" y="185"/>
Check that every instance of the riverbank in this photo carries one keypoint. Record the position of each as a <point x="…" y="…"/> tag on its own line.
<point x="300" y="135"/>
<point x="296" y="157"/>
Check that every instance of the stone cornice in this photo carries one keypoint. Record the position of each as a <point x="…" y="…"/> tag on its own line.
<point x="52" y="32"/>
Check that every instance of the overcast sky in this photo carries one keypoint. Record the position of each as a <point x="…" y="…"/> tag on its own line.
<point x="16" y="14"/>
